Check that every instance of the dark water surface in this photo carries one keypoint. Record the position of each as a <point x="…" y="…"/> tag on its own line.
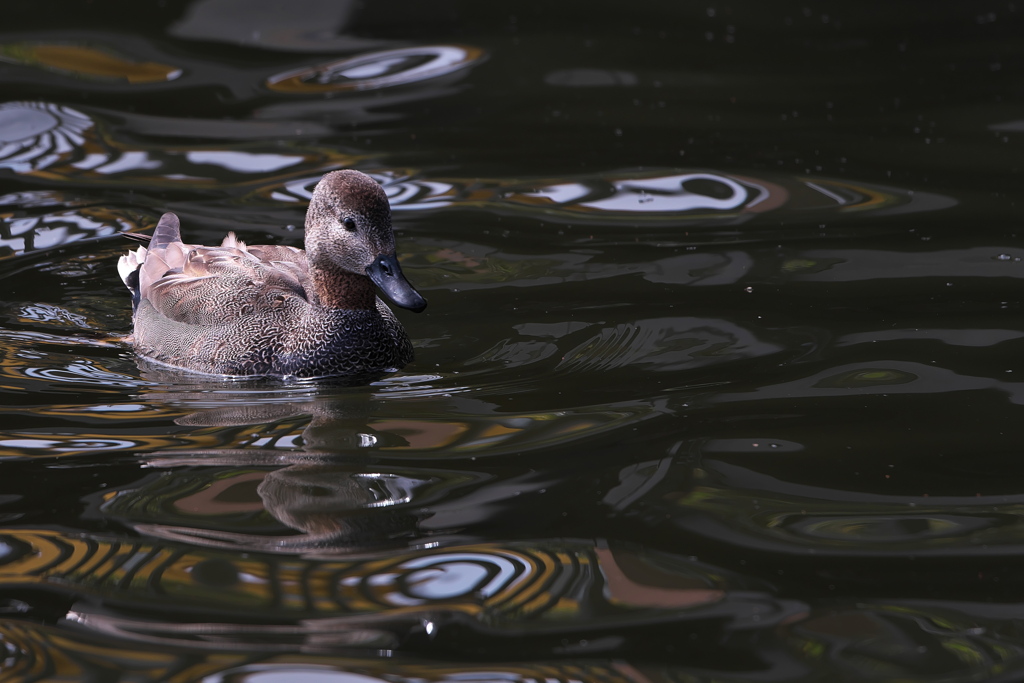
<point x="720" y="380"/>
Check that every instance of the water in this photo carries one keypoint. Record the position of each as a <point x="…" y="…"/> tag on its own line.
<point x="719" y="378"/>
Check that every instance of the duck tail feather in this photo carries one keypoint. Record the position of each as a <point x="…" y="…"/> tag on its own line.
<point x="168" y="230"/>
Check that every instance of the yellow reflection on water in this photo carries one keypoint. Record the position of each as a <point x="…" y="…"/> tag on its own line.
<point x="87" y="61"/>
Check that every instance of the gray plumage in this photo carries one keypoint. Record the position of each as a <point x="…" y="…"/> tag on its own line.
<point x="273" y="310"/>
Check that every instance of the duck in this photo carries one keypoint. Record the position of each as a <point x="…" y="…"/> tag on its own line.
<point x="240" y="310"/>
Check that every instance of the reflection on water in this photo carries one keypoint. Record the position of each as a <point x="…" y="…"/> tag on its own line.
<point x="740" y="501"/>
<point x="910" y="638"/>
<point x="670" y="196"/>
<point x="719" y="379"/>
<point x="335" y="509"/>
<point x="326" y="424"/>
<point x="61" y="144"/>
<point x="377" y="70"/>
<point x="33" y="648"/>
<point x="24" y="232"/>
<point x="87" y="61"/>
<point x="382" y="600"/>
<point x="36" y="134"/>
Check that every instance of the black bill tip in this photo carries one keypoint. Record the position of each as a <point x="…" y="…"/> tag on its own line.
<point x="387" y="274"/>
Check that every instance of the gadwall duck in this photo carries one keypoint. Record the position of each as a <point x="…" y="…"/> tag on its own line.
<point x="278" y="311"/>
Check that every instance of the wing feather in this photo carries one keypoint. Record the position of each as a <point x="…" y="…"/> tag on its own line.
<point x="199" y="285"/>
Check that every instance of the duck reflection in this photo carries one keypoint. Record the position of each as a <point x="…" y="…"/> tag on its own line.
<point x="329" y="503"/>
<point x="324" y="491"/>
<point x="336" y="550"/>
<point x="334" y="508"/>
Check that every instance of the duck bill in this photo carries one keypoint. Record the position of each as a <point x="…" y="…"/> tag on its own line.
<point x="387" y="274"/>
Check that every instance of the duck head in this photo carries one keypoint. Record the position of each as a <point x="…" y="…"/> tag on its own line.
<point x="348" y="226"/>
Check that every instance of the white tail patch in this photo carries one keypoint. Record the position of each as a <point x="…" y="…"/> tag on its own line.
<point x="130" y="262"/>
<point x="126" y="266"/>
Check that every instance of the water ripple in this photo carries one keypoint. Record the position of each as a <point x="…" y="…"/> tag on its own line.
<point x="376" y="70"/>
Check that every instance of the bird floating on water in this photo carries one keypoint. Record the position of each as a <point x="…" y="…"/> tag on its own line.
<point x="277" y="311"/>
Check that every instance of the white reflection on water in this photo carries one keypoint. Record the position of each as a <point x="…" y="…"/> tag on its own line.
<point x="83" y="372"/>
<point x="57" y="143"/>
<point x="34" y="198"/>
<point x="668" y="193"/>
<point x="449" y="575"/>
<point x="243" y="162"/>
<point x="421" y="194"/>
<point x="128" y="161"/>
<point x="290" y="673"/>
<point x="54" y="229"/>
<point x="115" y="408"/>
<point x="43" y="313"/>
<point x="376" y="70"/>
<point x="68" y="445"/>
<point x="35" y="135"/>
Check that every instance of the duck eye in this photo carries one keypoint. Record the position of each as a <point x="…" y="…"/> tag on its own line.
<point x="349" y="224"/>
